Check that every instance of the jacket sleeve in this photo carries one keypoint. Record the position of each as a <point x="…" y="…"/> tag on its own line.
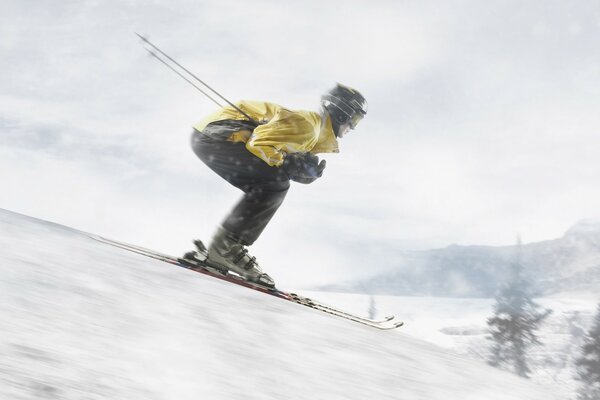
<point x="287" y="132"/>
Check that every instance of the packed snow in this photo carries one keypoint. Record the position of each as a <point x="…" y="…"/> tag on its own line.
<point x="83" y="320"/>
<point x="460" y="325"/>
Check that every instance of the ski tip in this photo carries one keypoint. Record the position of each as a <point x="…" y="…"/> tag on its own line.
<point x="398" y="324"/>
<point x="390" y="317"/>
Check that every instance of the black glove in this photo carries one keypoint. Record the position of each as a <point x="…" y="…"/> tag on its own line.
<point x="303" y="167"/>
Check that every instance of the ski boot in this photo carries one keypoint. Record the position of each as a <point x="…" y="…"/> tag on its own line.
<point x="226" y="252"/>
<point x="198" y="258"/>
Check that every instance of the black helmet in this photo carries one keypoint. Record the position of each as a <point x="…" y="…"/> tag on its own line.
<point x="344" y="104"/>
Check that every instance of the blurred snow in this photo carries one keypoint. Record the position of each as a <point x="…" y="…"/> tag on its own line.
<point x="82" y="320"/>
<point x="459" y="325"/>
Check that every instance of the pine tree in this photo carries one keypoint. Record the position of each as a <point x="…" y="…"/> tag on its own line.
<point x="514" y="323"/>
<point x="588" y="365"/>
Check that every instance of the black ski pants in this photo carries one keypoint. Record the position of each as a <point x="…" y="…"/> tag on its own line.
<point x="264" y="186"/>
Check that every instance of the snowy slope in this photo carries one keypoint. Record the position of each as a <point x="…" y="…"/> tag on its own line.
<point x="81" y="320"/>
<point x="460" y="325"/>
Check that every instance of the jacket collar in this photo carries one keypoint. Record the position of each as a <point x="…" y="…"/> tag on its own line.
<point x="327" y="142"/>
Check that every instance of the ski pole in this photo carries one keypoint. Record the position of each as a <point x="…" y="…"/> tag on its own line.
<point x="182" y="76"/>
<point x="193" y="76"/>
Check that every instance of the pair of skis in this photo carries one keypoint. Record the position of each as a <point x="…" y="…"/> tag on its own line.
<point x="198" y="265"/>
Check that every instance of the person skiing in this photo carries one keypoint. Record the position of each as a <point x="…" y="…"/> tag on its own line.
<point x="258" y="147"/>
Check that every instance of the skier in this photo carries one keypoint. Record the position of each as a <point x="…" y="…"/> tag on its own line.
<point x="260" y="157"/>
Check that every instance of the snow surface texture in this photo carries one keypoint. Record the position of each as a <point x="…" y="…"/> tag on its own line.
<point x="459" y="325"/>
<point x="82" y="320"/>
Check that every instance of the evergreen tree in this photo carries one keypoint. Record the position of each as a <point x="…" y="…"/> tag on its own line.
<point x="588" y="365"/>
<point x="514" y="323"/>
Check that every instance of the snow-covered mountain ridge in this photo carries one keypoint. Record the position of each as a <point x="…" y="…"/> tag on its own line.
<point x="84" y="320"/>
<point x="569" y="263"/>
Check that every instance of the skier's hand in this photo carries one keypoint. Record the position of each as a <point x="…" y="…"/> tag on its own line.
<point x="303" y="167"/>
<point x="315" y="167"/>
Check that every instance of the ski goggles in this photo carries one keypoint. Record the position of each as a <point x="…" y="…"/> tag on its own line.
<point x="355" y="119"/>
<point x="353" y="110"/>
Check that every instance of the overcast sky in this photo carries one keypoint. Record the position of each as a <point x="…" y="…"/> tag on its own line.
<point x="483" y="121"/>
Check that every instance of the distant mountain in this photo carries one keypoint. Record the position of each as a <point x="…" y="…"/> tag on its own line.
<point x="569" y="263"/>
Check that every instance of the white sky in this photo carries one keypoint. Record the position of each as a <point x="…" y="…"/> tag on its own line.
<point x="482" y="122"/>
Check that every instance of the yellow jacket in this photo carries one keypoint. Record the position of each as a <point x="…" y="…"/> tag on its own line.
<point x="282" y="131"/>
